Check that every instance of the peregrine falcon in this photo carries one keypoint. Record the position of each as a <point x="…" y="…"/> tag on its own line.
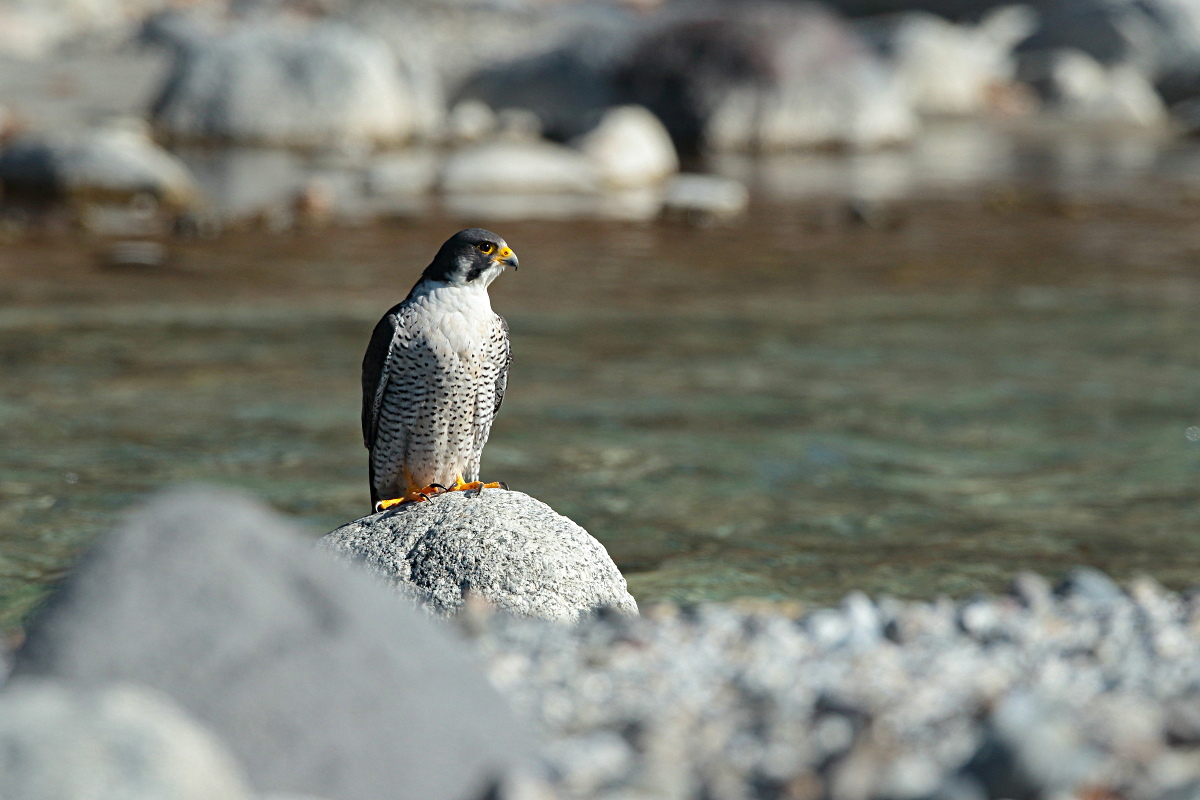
<point x="434" y="375"/>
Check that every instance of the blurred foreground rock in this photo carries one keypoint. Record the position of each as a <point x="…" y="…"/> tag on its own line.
<point x="1089" y="691"/>
<point x="59" y="742"/>
<point x="114" y="163"/>
<point x="316" y="678"/>
<point x="503" y="547"/>
<point x="319" y="85"/>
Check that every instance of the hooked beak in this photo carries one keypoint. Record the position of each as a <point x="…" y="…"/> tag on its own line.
<point x="506" y="257"/>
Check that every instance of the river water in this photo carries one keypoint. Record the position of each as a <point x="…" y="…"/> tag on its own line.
<point x="881" y="379"/>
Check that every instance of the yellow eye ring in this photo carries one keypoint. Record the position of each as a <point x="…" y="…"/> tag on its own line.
<point x="486" y="248"/>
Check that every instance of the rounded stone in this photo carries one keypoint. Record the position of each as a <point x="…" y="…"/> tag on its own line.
<point x="317" y="680"/>
<point x="501" y="546"/>
<point x="630" y="149"/>
<point x="117" y="161"/>
<point x="319" y="85"/>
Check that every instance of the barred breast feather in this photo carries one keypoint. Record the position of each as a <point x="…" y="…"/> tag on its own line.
<point x="433" y="379"/>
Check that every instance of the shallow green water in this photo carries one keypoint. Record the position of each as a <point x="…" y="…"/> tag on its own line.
<point x="791" y="407"/>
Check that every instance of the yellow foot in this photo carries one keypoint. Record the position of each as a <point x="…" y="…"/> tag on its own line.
<point x="412" y="496"/>
<point x="474" y="486"/>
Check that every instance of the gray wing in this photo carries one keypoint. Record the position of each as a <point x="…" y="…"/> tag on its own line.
<point x="504" y="359"/>
<point x="376" y="370"/>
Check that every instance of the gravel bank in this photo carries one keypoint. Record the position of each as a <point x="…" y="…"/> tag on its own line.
<point x="1086" y="690"/>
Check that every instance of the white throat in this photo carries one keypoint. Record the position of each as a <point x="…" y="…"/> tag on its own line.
<point x="461" y="313"/>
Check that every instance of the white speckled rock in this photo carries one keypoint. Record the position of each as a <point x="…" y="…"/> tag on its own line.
<point x="505" y="547"/>
<point x="1038" y="694"/>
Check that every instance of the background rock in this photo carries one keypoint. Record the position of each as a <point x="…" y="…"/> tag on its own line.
<point x="630" y="148"/>
<point x="765" y="76"/>
<point x="569" y="80"/>
<point x="504" y="547"/>
<point x="317" y="679"/>
<point x="117" y="162"/>
<point x="324" y="84"/>
<point x="518" y="168"/>
<point x="1078" y="86"/>
<point x="107" y="743"/>
<point x="945" y="68"/>
<point x="566" y="90"/>
<point x="407" y="173"/>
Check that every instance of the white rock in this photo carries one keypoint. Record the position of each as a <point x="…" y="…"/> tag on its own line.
<point x="308" y="86"/>
<point x="518" y="168"/>
<point x="471" y="121"/>
<point x="58" y="742"/>
<point x="630" y="148"/>
<point x="769" y="76"/>
<point x="30" y="32"/>
<point x="1086" y="89"/>
<point x="706" y="194"/>
<point x="119" y="160"/>
<point x="944" y="68"/>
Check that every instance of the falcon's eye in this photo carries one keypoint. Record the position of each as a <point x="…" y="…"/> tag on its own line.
<point x="486" y="248"/>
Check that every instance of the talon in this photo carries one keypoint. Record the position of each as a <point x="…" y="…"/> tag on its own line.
<point x="413" y="495"/>
<point x="503" y="486"/>
<point x="460" y="485"/>
<point x="410" y="497"/>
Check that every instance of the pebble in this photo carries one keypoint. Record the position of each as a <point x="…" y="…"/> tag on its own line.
<point x="1089" y="688"/>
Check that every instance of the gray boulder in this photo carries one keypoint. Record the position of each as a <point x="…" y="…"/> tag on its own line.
<point x="115" y="162"/>
<point x="504" y="547"/>
<point x="306" y="86"/>
<point x="107" y="743"/>
<point x="765" y="76"/>
<point x="316" y="678"/>
<point x="568" y="86"/>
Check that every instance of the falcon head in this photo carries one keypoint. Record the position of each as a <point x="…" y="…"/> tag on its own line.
<point x="473" y="256"/>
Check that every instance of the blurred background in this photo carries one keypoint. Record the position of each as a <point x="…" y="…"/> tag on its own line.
<point x="892" y="295"/>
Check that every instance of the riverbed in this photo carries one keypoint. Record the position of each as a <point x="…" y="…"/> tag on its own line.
<point x="918" y="387"/>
